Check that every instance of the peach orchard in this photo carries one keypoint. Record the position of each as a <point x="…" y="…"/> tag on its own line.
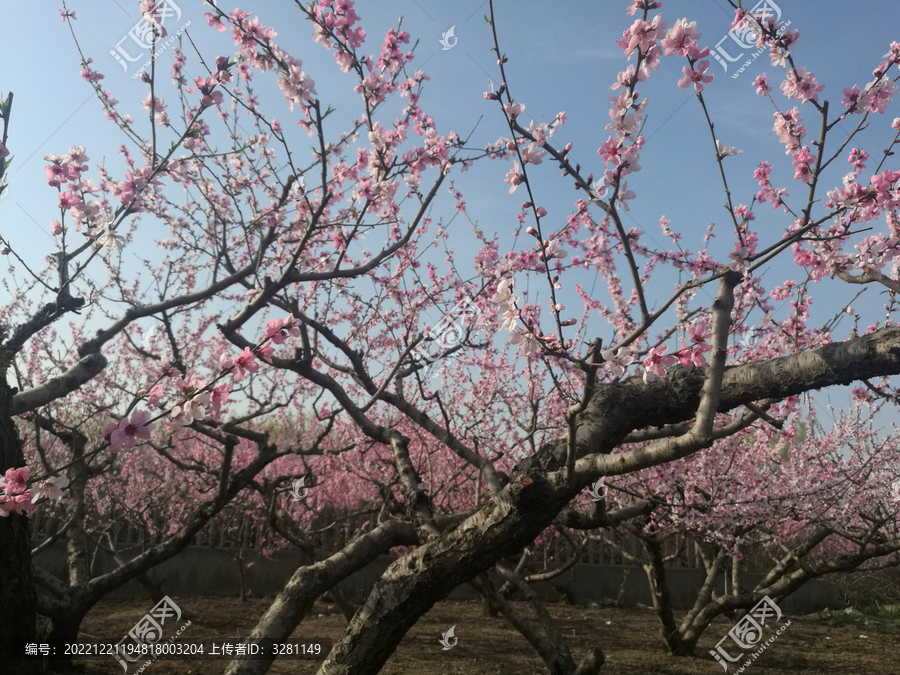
<point x="312" y="319"/>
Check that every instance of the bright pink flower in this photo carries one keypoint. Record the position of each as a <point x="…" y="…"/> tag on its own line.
<point x="16" y="480"/>
<point x="278" y="329"/>
<point x="762" y="87"/>
<point x="697" y="78"/>
<point x="19" y="503"/>
<point x="246" y="361"/>
<point x="656" y="362"/>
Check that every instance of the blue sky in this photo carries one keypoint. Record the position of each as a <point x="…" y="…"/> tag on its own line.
<point x="561" y="58"/>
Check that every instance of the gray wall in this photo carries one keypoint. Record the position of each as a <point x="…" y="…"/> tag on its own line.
<point x="203" y="570"/>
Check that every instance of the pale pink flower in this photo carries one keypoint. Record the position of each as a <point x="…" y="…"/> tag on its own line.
<point x="526" y="342"/>
<point x="680" y="36"/>
<point x="739" y="262"/>
<point x="725" y="150"/>
<point x="50" y="488"/>
<point x="514" y="177"/>
<point x="504" y="297"/>
<point x="189" y="410"/>
<point x="514" y="109"/>
<point x="552" y="250"/>
<point x="111" y="240"/>
<point x="618" y="362"/>
<point x="802" y="85"/>
<point x="532" y="154"/>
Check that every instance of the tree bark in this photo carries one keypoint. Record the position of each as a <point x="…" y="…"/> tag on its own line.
<point x="662" y="602"/>
<point x="310" y="581"/>
<point x="18" y="600"/>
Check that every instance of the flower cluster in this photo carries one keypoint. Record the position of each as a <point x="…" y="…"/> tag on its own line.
<point x="17" y="497"/>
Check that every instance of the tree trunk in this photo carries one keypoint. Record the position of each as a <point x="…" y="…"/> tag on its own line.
<point x="18" y="599"/>
<point x="662" y="602"/>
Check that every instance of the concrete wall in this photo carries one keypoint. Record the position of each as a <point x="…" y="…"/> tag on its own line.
<point x="203" y="570"/>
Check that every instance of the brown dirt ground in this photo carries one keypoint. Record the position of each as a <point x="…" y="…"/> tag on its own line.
<point x="490" y="646"/>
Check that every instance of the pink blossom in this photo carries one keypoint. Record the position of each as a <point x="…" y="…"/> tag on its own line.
<point x="246" y="361"/>
<point x="51" y="488"/>
<point x="739" y="262"/>
<point x="514" y="109"/>
<point x="801" y="163"/>
<point x="725" y="150"/>
<point x="697" y="78"/>
<point x="20" y="503"/>
<point x="656" y="362"/>
<point x="532" y="154"/>
<point x="802" y="85"/>
<point x="618" y="362"/>
<point x="189" y="410"/>
<point x="265" y="352"/>
<point x="219" y="395"/>
<point x="680" y="37"/>
<point x="297" y="86"/>
<point x="214" y="20"/>
<point x="514" y="177"/>
<point x="762" y="87"/>
<point x="56" y="228"/>
<point x="15" y="482"/>
<point x="552" y="250"/>
<point x="130" y="431"/>
<point x="527" y="342"/>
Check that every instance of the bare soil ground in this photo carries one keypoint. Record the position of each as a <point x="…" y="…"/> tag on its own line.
<point x="831" y="643"/>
